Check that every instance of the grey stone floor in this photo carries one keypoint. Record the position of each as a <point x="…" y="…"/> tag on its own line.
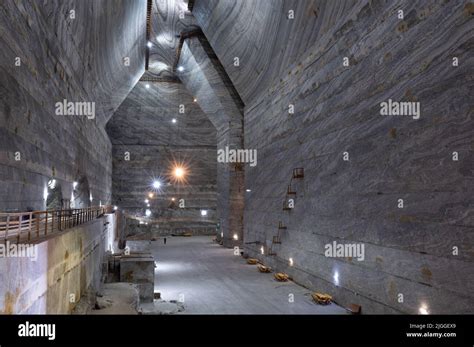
<point x="212" y="280"/>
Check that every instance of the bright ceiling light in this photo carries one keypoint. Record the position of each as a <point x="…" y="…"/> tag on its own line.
<point x="236" y="237"/>
<point x="147" y="205"/>
<point x="262" y="250"/>
<point x="150" y="195"/>
<point x="180" y="68"/>
<point x="248" y="190"/>
<point x="156" y="184"/>
<point x="173" y="199"/>
<point x="147" y="86"/>
<point x="195" y="100"/>
<point x="147" y="213"/>
<point x="179" y="172"/>
<point x="74" y="185"/>
<point x="173" y="120"/>
<point x="149" y="44"/>
<point x="290" y="261"/>
<point x="115" y="208"/>
<point x="203" y="213"/>
<point x="147" y="201"/>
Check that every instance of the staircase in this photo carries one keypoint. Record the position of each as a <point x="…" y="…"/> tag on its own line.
<point x="298" y="173"/>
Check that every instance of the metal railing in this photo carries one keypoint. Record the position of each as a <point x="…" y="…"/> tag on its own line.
<point x="28" y="226"/>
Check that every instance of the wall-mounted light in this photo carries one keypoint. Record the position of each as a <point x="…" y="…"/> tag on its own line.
<point x="262" y="250"/>
<point x="236" y="237"/>
<point x="222" y="234"/>
<point x="290" y="261"/>
<point x="45" y="193"/>
<point x="178" y="172"/>
<point x="423" y="309"/>
<point x="90" y="197"/>
<point x="336" y="278"/>
<point x="203" y="213"/>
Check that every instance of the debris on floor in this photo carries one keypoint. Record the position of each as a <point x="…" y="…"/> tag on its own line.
<point x="117" y="298"/>
<point x="252" y="261"/>
<point x="263" y="268"/>
<point x="321" y="299"/>
<point x="162" y="307"/>
<point x="282" y="277"/>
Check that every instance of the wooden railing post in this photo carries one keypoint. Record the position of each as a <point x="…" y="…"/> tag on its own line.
<point x="19" y="229"/>
<point x="38" y="218"/>
<point x="6" y="230"/>
<point x="46" y="224"/>
<point x="29" y="226"/>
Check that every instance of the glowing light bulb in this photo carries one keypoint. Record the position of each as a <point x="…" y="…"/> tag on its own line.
<point x="180" y="68"/>
<point x="203" y="213"/>
<point x="179" y="172"/>
<point x="150" y="195"/>
<point x="156" y="184"/>
<point x="262" y="250"/>
<point x="148" y="213"/>
<point x="236" y="237"/>
<point x="423" y="309"/>
<point x="147" y="86"/>
<point x="291" y="261"/>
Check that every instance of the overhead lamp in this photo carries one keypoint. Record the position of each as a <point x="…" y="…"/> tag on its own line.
<point x="248" y="190"/>
<point x="147" y="205"/>
<point x="195" y="100"/>
<point x="180" y="68"/>
<point x="236" y="237"/>
<point x="150" y="195"/>
<point x="149" y="44"/>
<point x="147" y="213"/>
<point x="173" y="199"/>
<point x="179" y="172"/>
<point x="290" y="261"/>
<point x="203" y="213"/>
<point x="115" y="208"/>
<point x="147" y="86"/>
<point x="147" y="201"/>
<point x="74" y="185"/>
<point x="173" y="120"/>
<point x="156" y="184"/>
<point x="262" y="250"/>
